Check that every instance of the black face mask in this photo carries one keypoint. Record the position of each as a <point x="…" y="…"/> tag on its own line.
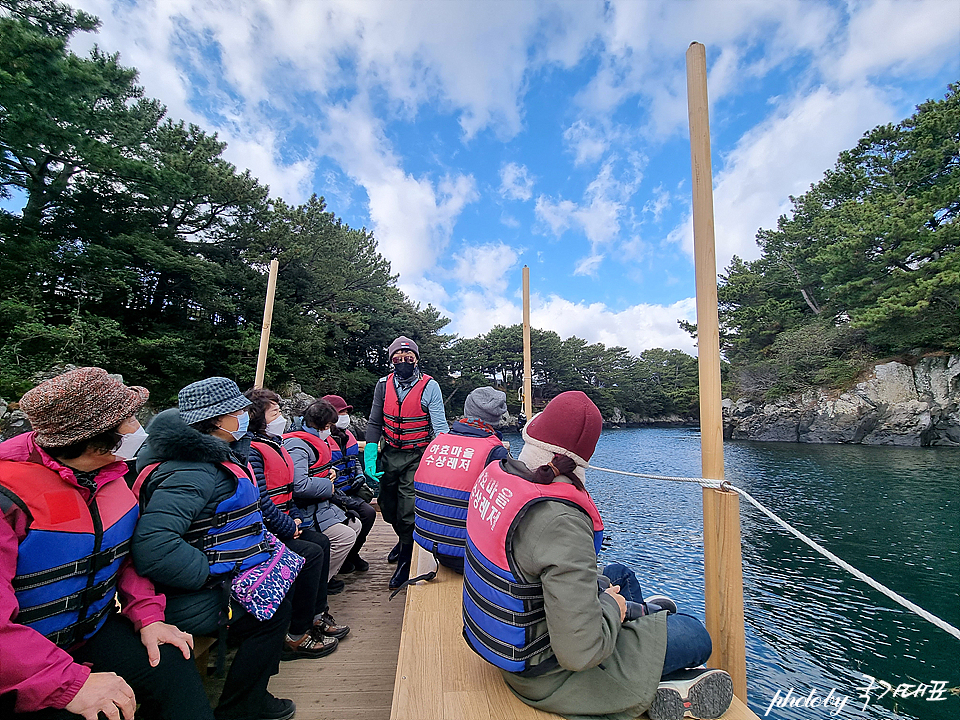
<point x="404" y="370"/>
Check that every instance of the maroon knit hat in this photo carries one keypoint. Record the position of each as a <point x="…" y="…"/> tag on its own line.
<point x="339" y="404"/>
<point x="570" y="425"/>
<point x="79" y="404"/>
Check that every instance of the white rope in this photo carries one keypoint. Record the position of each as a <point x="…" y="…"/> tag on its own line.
<point x="899" y="599"/>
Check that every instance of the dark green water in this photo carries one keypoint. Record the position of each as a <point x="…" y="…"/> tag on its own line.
<point x="893" y="513"/>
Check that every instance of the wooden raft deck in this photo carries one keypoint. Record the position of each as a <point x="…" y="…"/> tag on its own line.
<point x="356" y="681"/>
<point x="439" y="678"/>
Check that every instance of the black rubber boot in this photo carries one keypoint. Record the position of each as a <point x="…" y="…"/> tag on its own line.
<point x="394" y="554"/>
<point x="403" y="567"/>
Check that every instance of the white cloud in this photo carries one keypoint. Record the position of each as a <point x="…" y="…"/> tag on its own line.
<point x="485" y="266"/>
<point x="636" y="328"/>
<point x="515" y="182"/>
<point x="783" y="156"/>
<point x="894" y="37"/>
<point x="587" y="142"/>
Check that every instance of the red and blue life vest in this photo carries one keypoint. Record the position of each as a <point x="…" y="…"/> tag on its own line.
<point x="501" y="611"/>
<point x="321" y="466"/>
<point x="406" y="425"/>
<point x="69" y="560"/>
<point x="233" y="538"/>
<point x="344" y="460"/>
<point x="277" y="471"/>
<point x="447" y="472"/>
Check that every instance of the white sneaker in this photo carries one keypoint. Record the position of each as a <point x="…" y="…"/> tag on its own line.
<point x="700" y="693"/>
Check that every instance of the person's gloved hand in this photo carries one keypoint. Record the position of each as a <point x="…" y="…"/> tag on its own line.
<point x="357" y="483"/>
<point x="351" y="515"/>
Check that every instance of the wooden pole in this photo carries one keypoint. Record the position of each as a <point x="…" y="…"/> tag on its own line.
<point x="722" y="561"/>
<point x="527" y="367"/>
<point x="267" y="322"/>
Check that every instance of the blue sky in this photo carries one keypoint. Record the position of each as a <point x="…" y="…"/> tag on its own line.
<point x="476" y="137"/>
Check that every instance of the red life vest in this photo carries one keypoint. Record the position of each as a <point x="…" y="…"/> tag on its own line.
<point x="447" y="472"/>
<point x="69" y="560"/>
<point x="406" y="425"/>
<point x="278" y="473"/>
<point x="501" y="611"/>
<point x="321" y="466"/>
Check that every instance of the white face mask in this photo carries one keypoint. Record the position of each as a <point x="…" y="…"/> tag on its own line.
<point x="323" y="434"/>
<point x="129" y="444"/>
<point x="343" y="422"/>
<point x="277" y="425"/>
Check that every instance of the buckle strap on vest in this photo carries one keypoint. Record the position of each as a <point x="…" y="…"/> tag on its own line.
<point x="517" y="619"/>
<point x="200" y="527"/>
<point x="70" y="603"/>
<point x="520" y="591"/>
<point x="504" y="650"/>
<point x="409" y="418"/>
<point x="281" y="490"/>
<point x="238" y="556"/>
<point x="443" y="499"/>
<point x="89" y="565"/>
<point x="440" y="519"/>
<point x="205" y="542"/>
<point x="72" y="634"/>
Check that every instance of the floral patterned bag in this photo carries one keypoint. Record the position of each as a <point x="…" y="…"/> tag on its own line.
<point x="261" y="589"/>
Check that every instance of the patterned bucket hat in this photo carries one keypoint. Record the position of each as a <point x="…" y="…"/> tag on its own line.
<point x="210" y="398"/>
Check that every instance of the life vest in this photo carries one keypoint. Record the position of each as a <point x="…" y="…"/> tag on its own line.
<point x="447" y="472"/>
<point x="501" y="611"/>
<point x="233" y="538"/>
<point x="406" y="425"/>
<point x="321" y="466"/>
<point x="344" y="461"/>
<point x="278" y="473"/>
<point x="69" y="560"/>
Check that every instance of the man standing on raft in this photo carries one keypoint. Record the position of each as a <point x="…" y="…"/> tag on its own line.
<point x="407" y="413"/>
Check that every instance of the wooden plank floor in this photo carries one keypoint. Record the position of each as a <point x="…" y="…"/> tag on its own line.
<point x="439" y="678"/>
<point x="356" y="681"/>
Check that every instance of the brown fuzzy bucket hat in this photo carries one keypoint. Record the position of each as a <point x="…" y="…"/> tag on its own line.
<point x="79" y="404"/>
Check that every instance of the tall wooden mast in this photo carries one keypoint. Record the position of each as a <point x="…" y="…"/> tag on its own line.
<point x="722" y="561"/>
<point x="267" y="323"/>
<point x="527" y="363"/>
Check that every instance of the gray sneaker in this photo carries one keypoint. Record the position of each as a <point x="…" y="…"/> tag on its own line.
<point x="700" y="693"/>
<point x="662" y="602"/>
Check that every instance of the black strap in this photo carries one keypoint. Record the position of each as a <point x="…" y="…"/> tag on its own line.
<point x="409" y="418"/>
<point x="89" y="565"/>
<point x="442" y="499"/>
<point x="205" y="542"/>
<point x="521" y="591"/>
<point x="72" y="634"/>
<point x="518" y="619"/>
<point x="198" y="528"/>
<point x="441" y="519"/>
<point x="238" y="556"/>
<point x="282" y="490"/>
<point x="70" y="603"/>
<point x="506" y="650"/>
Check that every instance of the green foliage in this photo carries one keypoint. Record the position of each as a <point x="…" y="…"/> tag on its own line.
<point x="866" y="265"/>
<point x="656" y="384"/>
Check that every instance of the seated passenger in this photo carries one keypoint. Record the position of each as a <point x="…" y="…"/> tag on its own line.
<point x="66" y="519"/>
<point x="350" y="481"/>
<point x="313" y="485"/>
<point x="533" y="534"/>
<point x="450" y="466"/>
<point x="201" y="523"/>
<point x="313" y="631"/>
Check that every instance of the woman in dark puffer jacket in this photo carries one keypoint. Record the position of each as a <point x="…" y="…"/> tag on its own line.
<point x="196" y="474"/>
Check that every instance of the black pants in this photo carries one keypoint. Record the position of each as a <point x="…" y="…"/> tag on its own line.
<point x="256" y="661"/>
<point x="368" y="516"/>
<point x="172" y="690"/>
<point x="310" y="587"/>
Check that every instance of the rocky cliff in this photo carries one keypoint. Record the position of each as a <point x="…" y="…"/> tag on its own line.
<point x="900" y="403"/>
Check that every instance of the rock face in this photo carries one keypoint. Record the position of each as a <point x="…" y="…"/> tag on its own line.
<point x="899" y="404"/>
